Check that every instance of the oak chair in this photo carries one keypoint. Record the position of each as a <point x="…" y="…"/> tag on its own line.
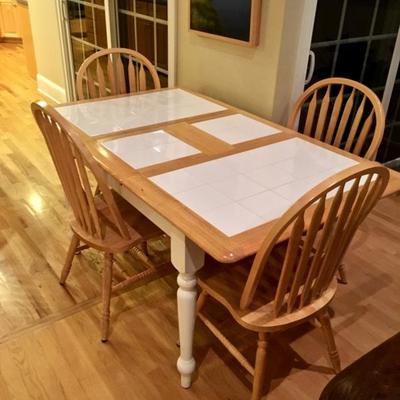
<point x="102" y="219"/>
<point x="343" y="113"/>
<point x="104" y="73"/>
<point x="291" y="279"/>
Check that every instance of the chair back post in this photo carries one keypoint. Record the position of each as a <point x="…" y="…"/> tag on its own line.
<point x="342" y="121"/>
<point x="73" y="160"/>
<point x="319" y="228"/>
<point x="121" y="80"/>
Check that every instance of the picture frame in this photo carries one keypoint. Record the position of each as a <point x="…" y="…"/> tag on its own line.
<point x="233" y="21"/>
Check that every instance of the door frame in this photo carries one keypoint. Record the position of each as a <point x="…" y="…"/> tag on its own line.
<point x="303" y="51"/>
<point x="111" y="29"/>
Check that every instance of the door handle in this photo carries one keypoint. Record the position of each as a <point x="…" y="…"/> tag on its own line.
<point x="311" y="67"/>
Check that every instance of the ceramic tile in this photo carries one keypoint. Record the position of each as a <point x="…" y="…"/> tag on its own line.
<point x="176" y="181"/>
<point x="232" y="219"/>
<point x="297" y="188"/>
<point x="236" y="128"/>
<point x="262" y="156"/>
<point x="202" y="198"/>
<point x="113" y="115"/>
<point x="211" y="170"/>
<point x="237" y="187"/>
<point x="270" y="176"/>
<point x="301" y="167"/>
<point x="241" y="191"/>
<point x="267" y="205"/>
<point x="149" y="148"/>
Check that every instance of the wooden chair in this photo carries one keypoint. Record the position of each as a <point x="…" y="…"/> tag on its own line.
<point x="104" y="73"/>
<point x="103" y="220"/>
<point x="343" y="113"/>
<point x="291" y="279"/>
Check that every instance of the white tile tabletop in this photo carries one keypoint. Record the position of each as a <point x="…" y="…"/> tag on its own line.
<point x="149" y="148"/>
<point x="128" y="112"/>
<point x="236" y="128"/>
<point x="244" y="190"/>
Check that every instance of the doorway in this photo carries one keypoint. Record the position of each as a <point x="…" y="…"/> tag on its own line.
<point x="360" y="40"/>
<point x="147" y="26"/>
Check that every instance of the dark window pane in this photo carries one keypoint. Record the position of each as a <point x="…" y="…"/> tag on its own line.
<point x="126" y="31"/>
<point x="327" y="20"/>
<point x="162" y="9"/>
<point x="126" y="5"/>
<point x="163" y="79"/>
<point x="76" y="17"/>
<point x="145" y="7"/>
<point x="350" y="60"/>
<point x="390" y="146"/>
<point x="88" y="33"/>
<point x="78" y="54"/>
<point x="388" y="17"/>
<point x="378" y="62"/>
<point x="99" y="2"/>
<point x="162" y="46"/>
<point x="393" y="113"/>
<point x="323" y="63"/>
<point x="358" y="18"/>
<point x="100" y="28"/>
<point x="145" y="33"/>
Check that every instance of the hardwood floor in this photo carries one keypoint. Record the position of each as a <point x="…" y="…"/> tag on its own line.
<point x="49" y="336"/>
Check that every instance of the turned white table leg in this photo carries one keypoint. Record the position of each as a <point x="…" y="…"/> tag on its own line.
<point x="187" y="315"/>
<point x="187" y="258"/>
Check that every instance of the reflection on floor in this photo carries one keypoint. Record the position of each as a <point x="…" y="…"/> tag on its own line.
<point x="49" y="336"/>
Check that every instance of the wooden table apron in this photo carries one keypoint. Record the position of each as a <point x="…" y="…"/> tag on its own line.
<point x="191" y="237"/>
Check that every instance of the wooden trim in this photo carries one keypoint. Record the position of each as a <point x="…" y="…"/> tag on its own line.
<point x="254" y="34"/>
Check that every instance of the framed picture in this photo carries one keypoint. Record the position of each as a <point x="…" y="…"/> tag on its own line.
<point x="236" y="21"/>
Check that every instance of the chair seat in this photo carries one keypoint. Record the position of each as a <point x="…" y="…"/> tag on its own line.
<point x="139" y="227"/>
<point x="225" y="283"/>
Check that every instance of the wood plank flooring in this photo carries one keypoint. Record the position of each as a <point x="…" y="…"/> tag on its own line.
<point x="49" y="336"/>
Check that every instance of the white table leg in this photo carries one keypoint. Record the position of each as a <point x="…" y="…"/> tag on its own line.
<point x="187" y="258"/>
<point x="186" y="314"/>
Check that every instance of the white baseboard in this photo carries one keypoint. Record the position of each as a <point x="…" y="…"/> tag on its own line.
<point x="50" y="89"/>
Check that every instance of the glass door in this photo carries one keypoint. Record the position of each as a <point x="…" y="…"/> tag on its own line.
<point x="147" y="26"/>
<point x="143" y="26"/>
<point x="87" y="30"/>
<point x="357" y="39"/>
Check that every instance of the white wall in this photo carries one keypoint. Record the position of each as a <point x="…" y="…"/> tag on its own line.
<point x="48" y="52"/>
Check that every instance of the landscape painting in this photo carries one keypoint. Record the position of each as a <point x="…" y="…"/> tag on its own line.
<point x="231" y="19"/>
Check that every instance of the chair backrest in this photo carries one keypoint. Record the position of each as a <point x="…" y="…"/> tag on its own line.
<point x="319" y="228"/>
<point x="343" y="113"/>
<point x="114" y="71"/>
<point x="73" y="160"/>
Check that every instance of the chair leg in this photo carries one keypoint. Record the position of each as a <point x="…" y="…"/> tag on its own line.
<point x="201" y="301"/>
<point x="106" y="295"/>
<point x="342" y="274"/>
<point x="330" y="340"/>
<point x="70" y="256"/>
<point x="260" y="369"/>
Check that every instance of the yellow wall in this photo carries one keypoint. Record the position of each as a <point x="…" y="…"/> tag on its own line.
<point x="244" y="77"/>
<point x="46" y="41"/>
